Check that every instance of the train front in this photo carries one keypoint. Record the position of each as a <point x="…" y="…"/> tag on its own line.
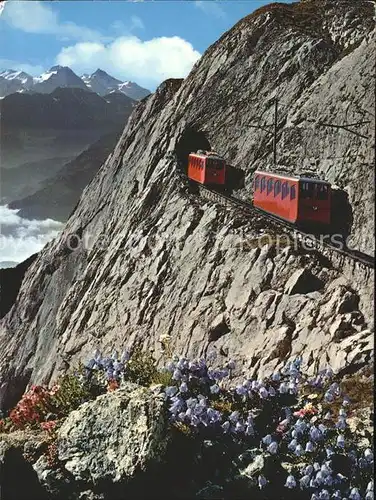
<point x="215" y="169"/>
<point x="314" y="202"/>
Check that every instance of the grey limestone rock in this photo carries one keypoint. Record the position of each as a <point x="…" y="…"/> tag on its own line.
<point x="107" y="444"/>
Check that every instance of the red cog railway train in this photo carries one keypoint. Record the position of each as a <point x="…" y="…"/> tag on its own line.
<point x="292" y="198"/>
<point x="207" y="167"/>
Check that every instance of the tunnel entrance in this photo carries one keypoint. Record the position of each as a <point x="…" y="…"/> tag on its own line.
<point x="342" y="213"/>
<point x="190" y="141"/>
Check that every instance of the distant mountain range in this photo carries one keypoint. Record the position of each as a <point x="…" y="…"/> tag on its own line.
<point x="65" y="108"/>
<point x="100" y="82"/>
<point x="40" y="133"/>
<point x="56" y="130"/>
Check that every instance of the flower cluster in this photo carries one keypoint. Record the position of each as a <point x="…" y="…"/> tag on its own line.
<point x="109" y="372"/>
<point x="194" y="395"/>
<point x="198" y="396"/>
<point x="49" y="426"/>
<point x="113" y="367"/>
<point x="325" y="460"/>
<point x="40" y="406"/>
<point x="308" y="409"/>
<point x="33" y="407"/>
<point x="297" y="427"/>
<point x="277" y="415"/>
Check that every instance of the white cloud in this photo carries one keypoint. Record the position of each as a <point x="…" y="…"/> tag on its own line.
<point x="119" y="28"/>
<point x="21" y="238"/>
<point x="211" y="8"/>
<point x="2" y="5"/>
<point x="122" y="29"/>
<point x="37" y="17"/>
<point x="32" y="69"/>
<point x="136" y="23"/>
<point x="147" y="62"/>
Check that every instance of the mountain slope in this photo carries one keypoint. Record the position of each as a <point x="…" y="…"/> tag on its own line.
<point x="67" y="108"/>
<point x="36" y="127"/>
<point x="58" y="195"/>
<point x="24" y="180"/>
<point x="153" y="258"/>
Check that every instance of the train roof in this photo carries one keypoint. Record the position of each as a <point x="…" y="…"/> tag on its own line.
<point x="292" y="177"/>
<point x="209" y="154"/>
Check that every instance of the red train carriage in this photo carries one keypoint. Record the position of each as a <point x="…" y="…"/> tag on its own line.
<point x="207" y="168"/>
<point x="295" y="199"/>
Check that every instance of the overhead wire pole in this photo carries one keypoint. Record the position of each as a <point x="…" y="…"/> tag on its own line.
<point x="275" y="131"/>
<point x="345" y="126"/>
<point x="348" y="127"/>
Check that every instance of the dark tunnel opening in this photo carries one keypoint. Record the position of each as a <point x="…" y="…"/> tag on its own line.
<point x="190" y="142"/>
<point x="193" y="140"/>
<point x="342" y="213"/>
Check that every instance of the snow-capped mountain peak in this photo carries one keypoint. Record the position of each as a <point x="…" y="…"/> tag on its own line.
<point x="45" y="76"/>
<point x="12" y="81"/>
<point x="100" y="82"/>
<point x="103" y="84"/>
<point x="131" y="89"/>
<point x="11" y="74"/>
<point x="57" y="76"/>
<point x="102" y="74"/>
<point x="54" y="70"/>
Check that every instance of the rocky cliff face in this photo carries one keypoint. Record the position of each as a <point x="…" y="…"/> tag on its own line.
<point x="142" y="256"/>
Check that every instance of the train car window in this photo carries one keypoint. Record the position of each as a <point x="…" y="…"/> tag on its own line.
<point x="292" y="193"/>
<point x="263" y="183"/>
<point x="269" y="187"/>
<point x="216" y="164"/>
<point x="257" y="183"/>
<point x="277" y="188"/>
<point x="285" y="190"/>
<point x="322" y="191"/>
<point x="307" y="189"/>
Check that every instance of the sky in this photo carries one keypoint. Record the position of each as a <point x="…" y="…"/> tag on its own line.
<point x="143" y="41"/>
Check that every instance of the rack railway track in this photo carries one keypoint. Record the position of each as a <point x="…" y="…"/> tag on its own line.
<point x="310" y="239"/>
